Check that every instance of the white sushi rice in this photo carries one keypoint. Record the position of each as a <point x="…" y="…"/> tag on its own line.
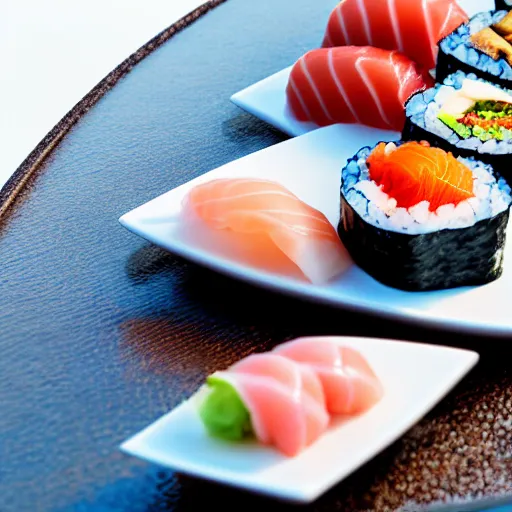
<point x="457" y="44"/>
<point x="424" y="108"/>
<point x="380" y="210"/>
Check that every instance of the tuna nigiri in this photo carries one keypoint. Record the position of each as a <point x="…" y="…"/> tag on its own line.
<point x="267" y="209"/>
<point x="415" y="172"/>
<point x="354" y="85"/>
<point x="284" y="401"/>
<point x="286" y="398"/>
<point x="349" y="383"/>
<point x="413" y="27"/>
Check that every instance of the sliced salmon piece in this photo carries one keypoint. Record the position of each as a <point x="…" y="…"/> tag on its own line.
<point x="412" y="27"/>
<point x="285" y="401"/>
<point x="262" y="207"/>
<point x="415" y="172"/>
<point x="349" y="383"/>
<point x="354" y="85"/>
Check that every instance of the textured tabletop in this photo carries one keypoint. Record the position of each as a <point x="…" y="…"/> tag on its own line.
<point x="101" y="333"/>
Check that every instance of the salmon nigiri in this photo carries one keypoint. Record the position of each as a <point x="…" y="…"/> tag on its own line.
<point x="279" y="401"/>
<point x="354" y="85"/>
<point x="415" y="172"/>
<point x="413" y="27"/>
<point x="267" y="209"/>
<point x="349" y="383"/>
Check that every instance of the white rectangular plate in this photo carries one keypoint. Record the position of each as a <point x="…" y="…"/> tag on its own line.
<point x="414" y="376"/>
<point x="266" y="99"/>
<point x="310" y="166"/>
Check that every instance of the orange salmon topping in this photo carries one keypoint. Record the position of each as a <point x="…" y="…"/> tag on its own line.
<point x="415" y="172"/>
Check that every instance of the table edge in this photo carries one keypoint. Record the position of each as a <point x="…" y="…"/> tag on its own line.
<point x="27" y="169"/>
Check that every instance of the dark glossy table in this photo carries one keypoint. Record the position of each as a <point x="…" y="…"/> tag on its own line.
<point x="101" y="333"/>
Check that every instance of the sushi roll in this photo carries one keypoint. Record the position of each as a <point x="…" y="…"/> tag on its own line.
<point x="466" y="115"/>
<point x="285" y="398"/>
<point x="482" y="46"/>
<point x="416" y="218"/>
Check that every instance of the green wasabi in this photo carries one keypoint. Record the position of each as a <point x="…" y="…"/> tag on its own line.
<point x="223" y="412"/>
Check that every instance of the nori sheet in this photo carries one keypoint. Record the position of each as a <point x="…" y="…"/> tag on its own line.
<point x="502" y="164"/>
<point x="448" y="64"/>
<point x="501" y="5"/>
<point x="448" y="258"/>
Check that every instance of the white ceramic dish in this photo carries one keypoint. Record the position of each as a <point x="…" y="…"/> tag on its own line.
<point x="415" y="377"/>
<point x="266" y="99"/>
<point x="310" y="167"/>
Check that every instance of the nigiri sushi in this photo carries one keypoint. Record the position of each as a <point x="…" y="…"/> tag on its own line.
<point x="416" y="218"/>
<point x="268" y="210"/>
<point x="348" y="381"/>
<point x="354" y="85"/>
<point x="412" y="27"/>
<point x="285" y="398"/>
<point x="284" y="401"/>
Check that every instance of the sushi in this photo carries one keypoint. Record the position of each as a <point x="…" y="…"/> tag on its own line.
<point x="274" y="217"/>
<point x="349" y="383"/>
<point x="353" y="85"/>
<point x="269" y="397"/>
<point x="416" y="218"/>
<point x="413" y="27"/>
<point x="285" y="398"/>
<point x="481" y="46"/>
<point x="466" y="115"/>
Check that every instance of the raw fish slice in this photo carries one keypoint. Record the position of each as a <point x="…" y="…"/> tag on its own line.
<point x="252" y="206"/>
<point x="348" y="381"/>
<point x="415" y="172"/>
<point x="285" y="400"/>
<point x="353" y="85"/>
<point x="413" y="27"/>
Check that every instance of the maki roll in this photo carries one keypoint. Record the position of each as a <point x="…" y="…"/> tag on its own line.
<point x="416" y="218"/>
<point x="466" y="115"/>
<point x="482" y="46"/>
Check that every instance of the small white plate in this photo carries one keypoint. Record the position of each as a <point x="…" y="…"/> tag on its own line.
<point x="415" y="377"/>
<point x="266" y="99"/>
<point x="310" y="167"/>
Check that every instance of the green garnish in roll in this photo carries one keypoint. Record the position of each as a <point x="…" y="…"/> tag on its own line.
<point x="460" y="129"/>
<point x="223" y="412"/>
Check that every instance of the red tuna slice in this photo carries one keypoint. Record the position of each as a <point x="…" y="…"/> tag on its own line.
<point x="354" y="85"/>
<point x="413" y="27"/>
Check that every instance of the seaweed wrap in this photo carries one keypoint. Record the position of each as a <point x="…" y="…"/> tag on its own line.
<point x="503" y="4"/>
<point x="466" y="115"/>
<point x="416" y="218"/>
<point x="482" y="46"/>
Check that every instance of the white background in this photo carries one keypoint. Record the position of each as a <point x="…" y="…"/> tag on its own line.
<point x="55" y="51"/>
